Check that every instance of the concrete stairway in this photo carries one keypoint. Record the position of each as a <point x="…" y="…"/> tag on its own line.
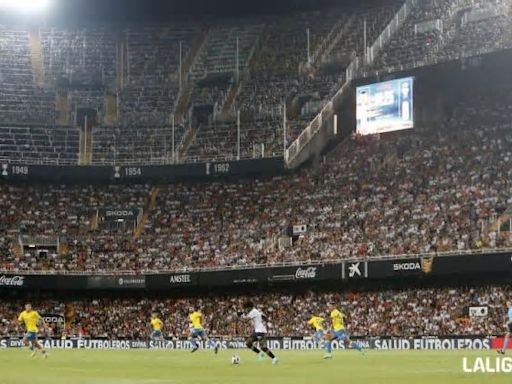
<point x="62" y="107"/>
<point x="149" y="206"/>
<point x="111" y="116"/>
<point x="36" y="57"/>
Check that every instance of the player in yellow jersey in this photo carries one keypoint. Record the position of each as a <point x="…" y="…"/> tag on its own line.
<point x="156" y="327"/>
<point x="317" y="323"/>
<point x="197" y="332"/>
<point x="338" y="332"/>
<point x="31" y="319"/>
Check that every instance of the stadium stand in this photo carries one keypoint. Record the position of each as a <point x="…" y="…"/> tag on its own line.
<point x="29" y="144"/>
<point x="218" y="141"/>
<point x="219" y="54"/>
<point x="135" y="146"/>
<point x="433" y="212"/>
<point x="403" y="313"/>
<point x="437" y="31"/>
<point x="411" y="192"/>
<point x="351" y="44"/>
<point x="152" y="73"/>
<point x="139" y="66"/>
<point x="479" y="27"/>
<point x="123" y="197"/>
<point x="419" y="38"/>
<point x="88" y="53"/>
<point x="21" y="101"/>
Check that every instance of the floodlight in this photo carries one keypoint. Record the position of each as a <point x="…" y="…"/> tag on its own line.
<point x="25" y="6"/>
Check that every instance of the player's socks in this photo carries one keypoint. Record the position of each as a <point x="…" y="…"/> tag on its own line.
<point x="328" y="347"/>
<point x="505" y="344"/>
<point x="275" y="360"/>
<point x="213" y="345"/>
<point x="195" y="345"/>
<point x="270" y="354"/>
<point x="357" y="345"/>
<point x="328" y="355"/>
<point x="255" y="349"/>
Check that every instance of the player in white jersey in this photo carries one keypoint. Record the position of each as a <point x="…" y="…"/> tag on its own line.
<point x="509" y="328"/>
<point x="259" y="335"/>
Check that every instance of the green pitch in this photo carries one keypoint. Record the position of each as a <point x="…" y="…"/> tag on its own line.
<point x="203" y="367"/>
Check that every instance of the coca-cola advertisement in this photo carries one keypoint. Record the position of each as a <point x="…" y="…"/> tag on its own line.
<point x="306" y="273"/>
<point x="41" y="281"/>
<point x="12" y="281"/>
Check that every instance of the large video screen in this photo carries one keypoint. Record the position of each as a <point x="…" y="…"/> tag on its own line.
<point x="385" y="107"/>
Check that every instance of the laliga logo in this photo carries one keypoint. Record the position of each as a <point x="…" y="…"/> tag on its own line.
<point x="14" y="281"/>
<point x="487" y="365"/>
<point x="308" y="273"/>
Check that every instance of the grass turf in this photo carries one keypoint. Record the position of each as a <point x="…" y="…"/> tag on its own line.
<point x="203" y="367"/>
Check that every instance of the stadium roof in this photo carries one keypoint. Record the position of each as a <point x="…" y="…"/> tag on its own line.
<point x="161" y="10"/>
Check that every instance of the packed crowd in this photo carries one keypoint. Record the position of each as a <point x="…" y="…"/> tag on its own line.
<point x="409" y="192"/>
<point x="485" y="27"/>
<point x="66" y="212"/>
<point x="442" y="30"/>
<point x="420" y="36"/>
<point x="406" y="313"/>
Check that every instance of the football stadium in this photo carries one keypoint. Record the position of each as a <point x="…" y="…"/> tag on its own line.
<point x="232" y="192"/>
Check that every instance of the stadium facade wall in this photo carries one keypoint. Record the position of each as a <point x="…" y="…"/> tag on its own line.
<point x="348" y="272"/>
<point x="109" y="174"/>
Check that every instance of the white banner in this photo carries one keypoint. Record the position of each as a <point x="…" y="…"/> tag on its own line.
<point x="478" y="311"/>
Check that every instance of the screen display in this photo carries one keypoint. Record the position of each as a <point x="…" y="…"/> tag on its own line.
<point x="385" y="107"/>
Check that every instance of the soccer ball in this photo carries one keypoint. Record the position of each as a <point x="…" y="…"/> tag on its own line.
<point x="235" y="359"/>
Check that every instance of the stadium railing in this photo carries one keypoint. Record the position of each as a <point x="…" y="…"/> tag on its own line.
<point x="481" y="251"/>
<point x="390" y="29"/>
